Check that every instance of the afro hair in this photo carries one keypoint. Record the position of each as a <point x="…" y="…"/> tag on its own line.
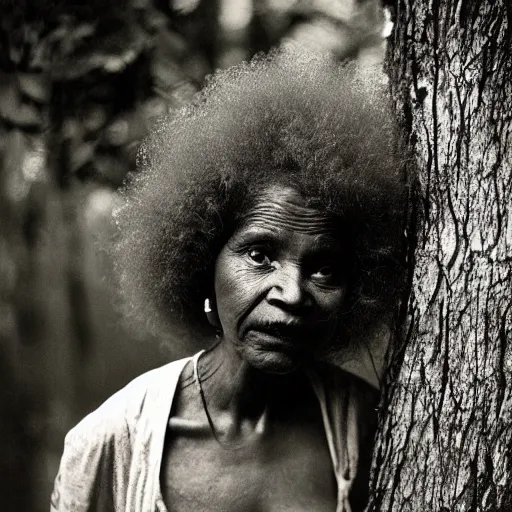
<point x="291" y="118"/>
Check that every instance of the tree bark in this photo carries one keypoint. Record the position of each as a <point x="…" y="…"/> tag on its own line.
<point x="445" y="436"/>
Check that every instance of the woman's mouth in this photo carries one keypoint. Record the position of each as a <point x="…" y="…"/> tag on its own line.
<point x="279" y="335"/>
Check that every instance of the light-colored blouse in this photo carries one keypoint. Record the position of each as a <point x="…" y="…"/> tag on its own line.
<point x="112" y="458"/>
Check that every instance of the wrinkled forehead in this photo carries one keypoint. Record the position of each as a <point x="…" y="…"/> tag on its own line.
<point x="280" y="207"/>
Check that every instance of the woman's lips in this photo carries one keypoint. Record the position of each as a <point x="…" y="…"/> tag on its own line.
<point x="285" y="335"/>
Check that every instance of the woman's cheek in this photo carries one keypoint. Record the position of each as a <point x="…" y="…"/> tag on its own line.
<point x="331" y="301"/>
<point x="241" y="290"/>
<point x="248" y="288"/>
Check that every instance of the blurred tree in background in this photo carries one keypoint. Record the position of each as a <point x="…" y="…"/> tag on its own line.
<point x="80" y="85"/>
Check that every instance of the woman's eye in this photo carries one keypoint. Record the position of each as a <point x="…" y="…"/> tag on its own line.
<point x="325" y="272"/>
<point x="259" y="256"/>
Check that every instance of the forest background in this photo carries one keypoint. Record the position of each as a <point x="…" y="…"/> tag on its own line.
<point x="80" y="86"/>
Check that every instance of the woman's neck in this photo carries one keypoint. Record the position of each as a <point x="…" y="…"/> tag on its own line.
<point x="232" y="386"/>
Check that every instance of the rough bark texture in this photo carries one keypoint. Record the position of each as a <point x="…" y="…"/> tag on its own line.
<point x="445" y="439"/>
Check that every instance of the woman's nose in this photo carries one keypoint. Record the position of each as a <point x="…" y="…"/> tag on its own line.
<point x="287" y="288"/>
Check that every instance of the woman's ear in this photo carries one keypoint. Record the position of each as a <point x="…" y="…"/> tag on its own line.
<point x="210" y="309"/>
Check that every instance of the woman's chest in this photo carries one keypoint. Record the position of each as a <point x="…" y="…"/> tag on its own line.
<point x="290" y="472"/>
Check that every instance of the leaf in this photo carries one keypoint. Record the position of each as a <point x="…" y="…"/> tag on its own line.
<point x="129" y="127"/>
<point x="153" y="108"/>
<point x="111" y="54"/>
<point x="82" y="155"/>
<point x="154" y="20"/>
<point x="14" y="111"/>
<point x="35" y="86"/>
<point x="94" y="118"/>
<point x="112" y="167"/>
<point x="117" y="133"/>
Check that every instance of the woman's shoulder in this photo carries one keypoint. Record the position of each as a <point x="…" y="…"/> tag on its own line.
<point x="98" y="450"/>
<point x="125" y="406"/>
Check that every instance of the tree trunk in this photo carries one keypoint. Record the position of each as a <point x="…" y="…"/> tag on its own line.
<point x="445" y="437"/>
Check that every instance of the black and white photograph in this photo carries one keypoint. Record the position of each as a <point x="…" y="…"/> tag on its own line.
<point x="256" y="256"/>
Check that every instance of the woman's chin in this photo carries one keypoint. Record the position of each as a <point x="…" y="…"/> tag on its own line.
<point x="273" y="361"/>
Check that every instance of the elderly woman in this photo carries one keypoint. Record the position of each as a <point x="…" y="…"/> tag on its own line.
<point x="266" y="218"/>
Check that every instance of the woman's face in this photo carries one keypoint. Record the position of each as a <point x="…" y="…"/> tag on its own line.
<point x="280" y="283"/>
